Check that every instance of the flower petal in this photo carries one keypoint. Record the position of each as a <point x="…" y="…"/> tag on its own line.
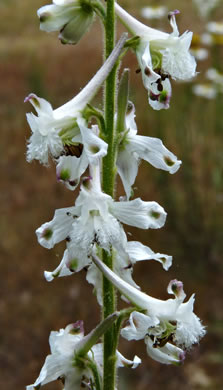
<point x="138" y="326"/>
<point x="61" y="270"/>
<point x="169" y="354"/>
<point x="50" y="233"/>
<point x="127" y="166"/>
<point x="140" y="252"/>
<point x="153" y="151"/>
<point x="189" y="328"/>
<point x="94" y="147"/>
<point x="140" y="214"/>
<point x="123" y="362"/>
<point x="70" y="168"/>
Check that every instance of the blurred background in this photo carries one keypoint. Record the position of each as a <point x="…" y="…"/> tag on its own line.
<point x="34" y="61"/>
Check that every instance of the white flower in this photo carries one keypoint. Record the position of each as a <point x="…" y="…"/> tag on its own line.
<point x="156" y="12"/>
<point x="53" y="129"/>
<point x="216" y="77"/>
<point x="207" y="91"/>
<point x="95" y="219"/>
<point x="123" y="265"/>
<point x="62" y="363"/>
<point x="215" y="28"/>
<point x="160" y="56"/>
<point x="134" y="147"/>
<point x="205" y="6"/>
<point x="71" y="17"/>
<point x="163" y="322"/>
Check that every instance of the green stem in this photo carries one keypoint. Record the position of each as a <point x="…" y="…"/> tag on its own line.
<point x="108" y="181"/>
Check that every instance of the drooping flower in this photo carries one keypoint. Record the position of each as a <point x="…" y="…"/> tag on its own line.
<point x="71" y="17"/>
<point x="52" y="129"/>
<point x="67" y="347"/>
<point x="95" y="219"/>
<point x="123" y="265"/>
<point x="134" y="147"/>
<point x="160" y="56"/>
<point x="162" y="323"/>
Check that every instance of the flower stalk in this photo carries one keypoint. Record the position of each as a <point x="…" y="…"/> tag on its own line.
<point x="108" y="182"/>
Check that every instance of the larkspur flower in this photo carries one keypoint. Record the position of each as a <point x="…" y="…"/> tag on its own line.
<point x="160" y="56"/>
<point x="134" y="147"/>
<point x="67" y="347"/>
<point x="71" y="17"/>
<point x="169" y="325"/>
<point x="95" y="219"/>
<point x="52" y="129"/>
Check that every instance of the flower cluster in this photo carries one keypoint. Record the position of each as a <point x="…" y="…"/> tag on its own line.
<point x="93" y="225"/>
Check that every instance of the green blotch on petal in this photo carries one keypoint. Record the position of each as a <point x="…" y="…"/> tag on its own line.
<point x="168" y="161"/>
<point x="47" y="234"/>
<point x="37" y="387"/>
<point x="163" y="96"/>
<point x="56" y="274"/>
<point x="156" y="59"/>
<point x="44" y="17"/>
<point x="155" y="214"/>
<point x="94" y="149"/>
<point x="36" y="102"/>
<point x="73" y="264"/>
<point x="65" y="174"/>
<point x="94" y="213"/>
<point x="174" y="288"/>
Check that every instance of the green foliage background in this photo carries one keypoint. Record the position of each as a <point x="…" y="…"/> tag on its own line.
<point x="33" y="61"/>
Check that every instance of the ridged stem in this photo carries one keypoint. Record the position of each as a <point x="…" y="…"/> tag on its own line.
<point x="108" y="182"/>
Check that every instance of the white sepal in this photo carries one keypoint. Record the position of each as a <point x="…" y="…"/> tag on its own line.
<point x="140" y="214"/>
<point x="70" y="168"/>
<point x="134" y="147"/>
<point x="140" y="252"/>
<point x="94" y="147"/>
<point x="50" y="233"/>
<point x="61" y="270"/>
<point x="168" y="354"/>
